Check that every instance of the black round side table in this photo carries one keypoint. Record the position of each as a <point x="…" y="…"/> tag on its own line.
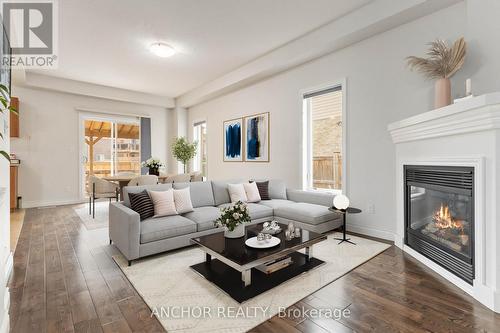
<point x="344" y="212"/>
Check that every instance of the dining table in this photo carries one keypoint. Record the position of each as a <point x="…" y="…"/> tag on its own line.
<point x="123" y="180"/>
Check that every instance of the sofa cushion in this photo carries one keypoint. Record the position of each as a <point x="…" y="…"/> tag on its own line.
<point x="275" y="203"/>
<point x="257" y="211"/>
<point x="305" y="212"/>
<point x="165" y="227"/>
<point x="201" y="193"/>
<point x="142" y="204"/>
<point x="204" y="217"/>
<point x="137" y="189"/>
<point x="221" y="195"/>
<point x="163" y="202"/>
<point x="252" y="192"/>
<point x="182" y="199"/>
<point x="263" y="190"/>
<point x="277" y="189"/>
<point x="237" y="192"/>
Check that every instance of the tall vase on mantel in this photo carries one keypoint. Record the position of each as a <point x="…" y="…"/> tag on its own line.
<point x="443" y="62"/>
<point x="442" y="93"/>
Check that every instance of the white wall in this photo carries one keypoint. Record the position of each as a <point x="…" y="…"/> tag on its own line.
<point x="49" y="143"/>
<point x="483" y="29"/>
<point x="379" y="90"/>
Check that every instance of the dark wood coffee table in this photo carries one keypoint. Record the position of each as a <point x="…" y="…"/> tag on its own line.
<point x="230" y="264"/>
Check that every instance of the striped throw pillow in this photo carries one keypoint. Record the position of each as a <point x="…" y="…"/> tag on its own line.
<point x="142" y="204"/>
<point x="263" y="190"/>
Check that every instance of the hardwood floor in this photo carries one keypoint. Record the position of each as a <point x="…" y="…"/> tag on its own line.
<point x="64" y="280"/>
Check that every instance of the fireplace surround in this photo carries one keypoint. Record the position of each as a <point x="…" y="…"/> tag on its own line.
<point x="439" y="216"/>
<point x="466" y="134"/>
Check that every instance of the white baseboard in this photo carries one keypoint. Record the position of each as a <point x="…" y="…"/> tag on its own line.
<point x="9" y="265"/>
<point x="46" y="203"/>
<point x="484" y="294"/>
<point x="371" y="232"/>
<point x="5" y="320"/>
<point x="5" y="325"/>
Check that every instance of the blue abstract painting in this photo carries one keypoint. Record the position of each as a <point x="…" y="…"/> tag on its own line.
<point x="233" y="140"/>
<point x="257" y="138"/>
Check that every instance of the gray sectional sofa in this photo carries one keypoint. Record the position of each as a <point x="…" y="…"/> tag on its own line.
<point x="136" y="239"/>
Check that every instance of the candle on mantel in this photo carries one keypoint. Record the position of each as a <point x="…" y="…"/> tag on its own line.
<point x="468" y="87"/>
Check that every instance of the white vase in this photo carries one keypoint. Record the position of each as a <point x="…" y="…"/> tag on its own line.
<point x="239" y="231"/>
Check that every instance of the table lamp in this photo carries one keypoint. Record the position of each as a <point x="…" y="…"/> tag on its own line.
<point x="341" y="202"/>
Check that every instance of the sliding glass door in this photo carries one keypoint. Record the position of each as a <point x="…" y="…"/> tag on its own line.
<point x="110" y="147"/>
<point x="127" y="154"/>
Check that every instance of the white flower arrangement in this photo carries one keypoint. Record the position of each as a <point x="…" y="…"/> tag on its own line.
<point x="152" y="163"/>
<point x="233" y="216"/>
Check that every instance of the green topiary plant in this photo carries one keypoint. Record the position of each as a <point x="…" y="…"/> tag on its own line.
<point x="183" y="150"/>
<point x="5" y="106"/>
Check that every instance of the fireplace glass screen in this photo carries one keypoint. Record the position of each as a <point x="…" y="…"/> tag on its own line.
<point x="442" y="217"/>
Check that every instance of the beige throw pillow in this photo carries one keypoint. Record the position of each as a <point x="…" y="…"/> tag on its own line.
<point x="252" y="192"/>
<point x="182" y="200"/>
<point x="163" y="202"/>
<point x="237" y="192"/>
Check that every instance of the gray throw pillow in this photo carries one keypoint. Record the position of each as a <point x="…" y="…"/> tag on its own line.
<point x="263" y="188"/>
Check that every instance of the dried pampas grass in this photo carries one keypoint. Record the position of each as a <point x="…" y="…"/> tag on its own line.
<point x="442" y="62"/>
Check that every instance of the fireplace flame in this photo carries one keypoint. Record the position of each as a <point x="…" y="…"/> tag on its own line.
<point x="443" y="219"/>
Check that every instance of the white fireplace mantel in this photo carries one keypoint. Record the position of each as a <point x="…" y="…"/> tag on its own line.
<point x="471" y="115"/>
<point x="466" y="134"/>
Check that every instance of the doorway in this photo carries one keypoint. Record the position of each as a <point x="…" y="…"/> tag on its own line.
<point x="110" y="146"/>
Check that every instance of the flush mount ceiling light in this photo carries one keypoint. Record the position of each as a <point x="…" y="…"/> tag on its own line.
<point x="162" y="50"/>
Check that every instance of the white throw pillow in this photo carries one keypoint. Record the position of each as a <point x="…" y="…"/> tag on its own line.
<point x="237" y="192"/>
<point x="252" y="192"/>
<point x="163" y="202"/>
<point x="182" y="200"/>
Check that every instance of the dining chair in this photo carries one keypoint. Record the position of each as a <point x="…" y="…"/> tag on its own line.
<point x="98" y="188"/>
<point x="169" y="179"/>
<point x="181" y="178"/>
<point x="143" y="180"/>
<point x="196" y="177"/>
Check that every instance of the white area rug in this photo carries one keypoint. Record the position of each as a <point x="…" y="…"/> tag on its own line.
<point x="167" y="283"/>
<point x="101" y="215"/>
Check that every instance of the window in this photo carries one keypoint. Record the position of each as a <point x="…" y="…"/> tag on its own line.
<point x="200" y="159"/>
<point x="323" y="124"/>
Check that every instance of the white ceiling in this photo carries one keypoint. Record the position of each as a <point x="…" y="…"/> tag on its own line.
<point x="106" y="41"/>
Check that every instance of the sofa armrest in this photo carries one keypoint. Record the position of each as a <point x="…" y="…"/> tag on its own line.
<point x="125" y="229"/>
<point x="312" y="197"/>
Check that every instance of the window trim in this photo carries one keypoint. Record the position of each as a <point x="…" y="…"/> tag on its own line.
<point x="307" y="134"/>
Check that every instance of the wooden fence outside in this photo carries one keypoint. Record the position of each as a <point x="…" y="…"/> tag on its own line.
<point x="327" y="171"/>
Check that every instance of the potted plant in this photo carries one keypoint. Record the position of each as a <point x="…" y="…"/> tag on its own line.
<point x="233" y="219"/>
<point x="153" y="164"/>
<point x="442" y="63"/>
<point x="5" y="101"/>
<point x="184" y="151"/>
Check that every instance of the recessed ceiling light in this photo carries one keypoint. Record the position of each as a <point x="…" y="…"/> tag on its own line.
<point x="162" y="50"/>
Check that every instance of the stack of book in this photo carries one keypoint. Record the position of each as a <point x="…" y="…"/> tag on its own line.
<point x="275" y="265"/>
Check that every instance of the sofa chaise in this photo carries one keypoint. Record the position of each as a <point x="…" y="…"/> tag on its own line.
<point x="137" y="239"/>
